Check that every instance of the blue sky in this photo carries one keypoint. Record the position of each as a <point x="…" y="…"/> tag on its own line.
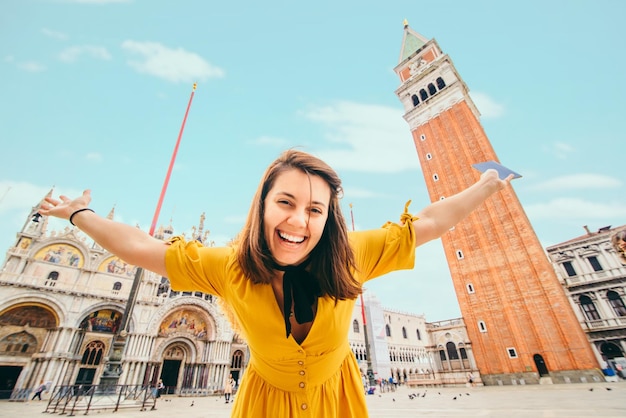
<point x="93" y="94"/>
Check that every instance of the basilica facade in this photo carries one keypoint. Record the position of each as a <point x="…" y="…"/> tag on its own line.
<point x="63" y="299"/>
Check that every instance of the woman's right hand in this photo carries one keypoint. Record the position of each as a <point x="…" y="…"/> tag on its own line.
<point x="64" y="206"/>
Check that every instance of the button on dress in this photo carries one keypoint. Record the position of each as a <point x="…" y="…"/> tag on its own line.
<point x="319" y="377"/>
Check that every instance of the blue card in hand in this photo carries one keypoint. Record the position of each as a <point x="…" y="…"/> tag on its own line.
<point x="503" y="172"/>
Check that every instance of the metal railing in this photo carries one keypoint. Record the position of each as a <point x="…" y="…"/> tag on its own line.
<point x="67" y="400"/>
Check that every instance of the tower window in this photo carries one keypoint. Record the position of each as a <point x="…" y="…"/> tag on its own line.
<point x="429" y="156"/>
<point x="117" y="286"/>
<point x="355" y="326"/>
<point x="482" y="327"/>
<point x="435" y="177"/>
<point x="512" y="353"/>
<point x="459" y="255"/>
<point x="432" y="89"/>
<point x="422" y="137"/>
<point x="569" y="269"/>
<point x="423" y="94"/>
<point x="415" y="99"/>
<point x="595" y="264"/>
<point x="440" y="83"/>
<point x="470" y="288"/>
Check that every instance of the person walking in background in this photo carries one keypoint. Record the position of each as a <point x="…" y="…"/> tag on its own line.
<point x="290" y="280"/>
<point x="228" y="388"/>
<point x="39" y="390"/>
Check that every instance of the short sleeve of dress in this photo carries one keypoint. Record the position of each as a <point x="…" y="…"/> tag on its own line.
<point x="389" y="248"/>
<point x="194" y="267"/>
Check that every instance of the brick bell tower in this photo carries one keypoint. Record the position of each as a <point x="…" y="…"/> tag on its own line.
<point x="520" y="323"/>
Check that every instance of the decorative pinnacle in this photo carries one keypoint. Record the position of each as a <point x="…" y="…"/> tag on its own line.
<point x="405" y="23"/>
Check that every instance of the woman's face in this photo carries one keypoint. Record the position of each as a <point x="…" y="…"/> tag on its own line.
<point x="296" y="210"/>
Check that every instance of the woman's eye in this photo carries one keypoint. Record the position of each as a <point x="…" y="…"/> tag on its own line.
<point x="316" y="210"/>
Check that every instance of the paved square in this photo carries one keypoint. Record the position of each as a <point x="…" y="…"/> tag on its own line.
<point x="560" y="401"/>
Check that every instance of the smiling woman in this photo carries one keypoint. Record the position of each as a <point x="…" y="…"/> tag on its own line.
<point x="291" y="279"/>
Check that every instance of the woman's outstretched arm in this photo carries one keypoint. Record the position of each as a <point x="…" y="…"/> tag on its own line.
<point x="438" y="217"/>
<point x="131" y="244"/>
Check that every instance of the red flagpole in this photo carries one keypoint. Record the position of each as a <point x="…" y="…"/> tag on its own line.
<point x="169" y="170"/>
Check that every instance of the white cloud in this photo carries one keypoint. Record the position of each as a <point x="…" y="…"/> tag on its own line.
<point x="31" y="66"/>
<point x="54" y="34"/>
<point x="579" y="181"/>
<point x="560" y="150"/>
<point x="23" y="195"/>
<point x="355" y="192"/>
<point x="487" y="106"/>
<point x="71" y="54"/>
<point x="94" y="156"/>
<point x="374" y="138"/>
<point x="574" y="208"/>
<point x="175" y="65"/>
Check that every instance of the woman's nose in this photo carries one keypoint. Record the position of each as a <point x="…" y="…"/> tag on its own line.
<point x="299" y="218"/>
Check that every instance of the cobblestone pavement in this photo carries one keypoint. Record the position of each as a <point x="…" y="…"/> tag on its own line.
<point x="560" y="401"/>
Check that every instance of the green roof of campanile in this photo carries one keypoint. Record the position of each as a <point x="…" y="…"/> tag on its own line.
<point x="412" y="42"/>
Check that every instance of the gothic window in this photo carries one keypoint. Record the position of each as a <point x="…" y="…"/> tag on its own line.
<point x="595" y="264"/>
<point x="432" y="89"/>
<point x="404" y="333"/>
<point x="419" y="336"/>
<point x="616" y="303"/>
<point x="569" y="268"/>
<point x="117" y="286"/>
<point x="442" y="355"/>
<point x="355" y="326"/>
<point x="388" y="330"/>
<point x="237" y="360"/>
<point x="423" y="94"/>
<point x="588" y="307"/>
<point x="415" y="99"/>
<point x="451" y="349"/>
<point x="19" y="343"/>
<point x="92" y="355"/>
<point x="463" y="353"/>
<point x="440" y="83"/>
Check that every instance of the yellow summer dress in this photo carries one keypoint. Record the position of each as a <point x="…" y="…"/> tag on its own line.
<point x="318" y="378"/>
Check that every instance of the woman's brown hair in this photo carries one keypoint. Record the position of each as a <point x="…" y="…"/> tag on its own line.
<point x="331" y="261"/>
